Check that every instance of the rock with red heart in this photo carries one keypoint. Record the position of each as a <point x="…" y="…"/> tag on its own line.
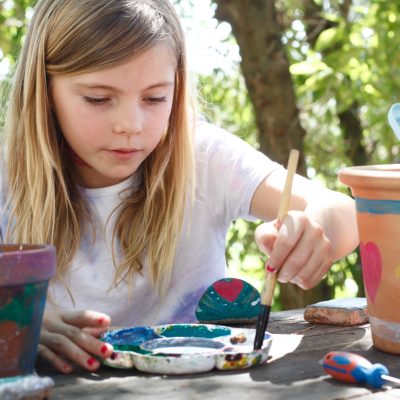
<point x="229" y="300"/>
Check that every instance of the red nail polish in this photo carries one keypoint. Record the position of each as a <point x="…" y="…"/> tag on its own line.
<point x="113" y="356"/>
<point x="270" y="268"/>
<point x="100" y="320"/>
<point x="91" y="361"/>
<point x="103" y="349"/>
<point x="66" y="368"/>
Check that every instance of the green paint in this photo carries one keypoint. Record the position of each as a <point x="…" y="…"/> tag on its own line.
<point x="22" y="302"/>
<point x="183" y="330"/>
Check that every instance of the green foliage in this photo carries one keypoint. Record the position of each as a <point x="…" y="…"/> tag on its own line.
<point x="13" y="19"/>
<point x="14" y="15"/>
<point x="223" y="100"/>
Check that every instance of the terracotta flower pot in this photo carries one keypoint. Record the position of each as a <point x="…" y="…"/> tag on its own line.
<point x="24" y="274"/>
<point x="376" y="190"/>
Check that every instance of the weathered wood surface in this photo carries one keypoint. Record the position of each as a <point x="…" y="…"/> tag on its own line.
<point x="296" y="375"/>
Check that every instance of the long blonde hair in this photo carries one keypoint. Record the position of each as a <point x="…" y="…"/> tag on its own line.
<point x="77" y="36"/>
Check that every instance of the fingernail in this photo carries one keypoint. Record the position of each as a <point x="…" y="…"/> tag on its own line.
<point x="67" y="368"/>
<point x="104" y="348"/>
<point x="100" y="320"/>
<point x="297" y="281"/>
<point x="113" y="356"/>
<point x="91" y="361"/>
<point x="270" y="268"/>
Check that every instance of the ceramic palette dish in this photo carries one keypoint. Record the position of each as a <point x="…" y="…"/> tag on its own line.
<point x="185" y="348"/>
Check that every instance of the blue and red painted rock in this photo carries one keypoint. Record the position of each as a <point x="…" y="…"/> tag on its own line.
<point x="229" y="300"/>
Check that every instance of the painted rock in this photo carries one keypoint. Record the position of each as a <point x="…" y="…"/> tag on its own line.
<point x="229" y="300"/>
<point x="346" y="312"/>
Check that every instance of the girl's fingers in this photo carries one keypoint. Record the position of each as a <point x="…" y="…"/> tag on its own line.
<point x="86" y="318"/>
<point x="55" y="360"/>
<point x="290" y="233"/>
<point x="95" y="332"/>
<point x="56" y="342"/>
<point x="81" y="349"/>
<point x="265" y="236"/>
<point x="72" y="342"/>
<point x="314" y="269"/>
<point x="301" y="253"/>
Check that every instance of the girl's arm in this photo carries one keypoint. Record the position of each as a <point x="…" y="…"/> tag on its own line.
<point x="319" y="228"/>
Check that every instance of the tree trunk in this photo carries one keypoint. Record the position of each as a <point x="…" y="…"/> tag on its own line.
<point x="265" y="68"/>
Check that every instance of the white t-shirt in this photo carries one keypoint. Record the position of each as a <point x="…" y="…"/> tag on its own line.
<point x="228" y="171"/>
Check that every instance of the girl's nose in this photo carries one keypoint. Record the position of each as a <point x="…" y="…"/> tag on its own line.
<point x="128" y="121"/>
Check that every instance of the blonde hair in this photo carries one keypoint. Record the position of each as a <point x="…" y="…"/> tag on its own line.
<point x="76" y="36"/>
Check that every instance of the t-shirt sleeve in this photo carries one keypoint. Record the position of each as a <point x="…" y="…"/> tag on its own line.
<point x="229" y="171"/>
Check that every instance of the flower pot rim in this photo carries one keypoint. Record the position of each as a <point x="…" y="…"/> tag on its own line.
<point x="389" y="171"/>
<point x="23" y="249"/>
<point x="26" y="263"/>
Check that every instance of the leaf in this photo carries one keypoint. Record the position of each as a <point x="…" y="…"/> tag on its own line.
<point x="329" y="38"/>
<point x="308" y="67"/>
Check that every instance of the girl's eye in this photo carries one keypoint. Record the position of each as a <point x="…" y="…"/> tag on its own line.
<point x="154" y="100"/>
<point x="96" y="101"/>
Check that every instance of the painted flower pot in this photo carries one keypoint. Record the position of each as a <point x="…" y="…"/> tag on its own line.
<point x="24" y="274"/>
<point x="376" y="190"/>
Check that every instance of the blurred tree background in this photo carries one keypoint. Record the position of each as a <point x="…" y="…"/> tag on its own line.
<point x="316" y="75"/>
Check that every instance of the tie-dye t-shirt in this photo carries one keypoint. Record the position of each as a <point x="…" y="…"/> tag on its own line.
<point x="228" y="171"/>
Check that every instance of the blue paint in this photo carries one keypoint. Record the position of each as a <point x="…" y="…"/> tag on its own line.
<point x="377" y="206"/>
<point x="130" y="336"/>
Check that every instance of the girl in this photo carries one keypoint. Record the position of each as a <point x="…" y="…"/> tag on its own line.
<point x="106" y="161"/>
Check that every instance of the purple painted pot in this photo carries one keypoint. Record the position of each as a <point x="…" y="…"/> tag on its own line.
<point x="25" y="271"/>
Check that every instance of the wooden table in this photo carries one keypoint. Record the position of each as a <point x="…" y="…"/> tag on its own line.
<point x="295" y="375"/>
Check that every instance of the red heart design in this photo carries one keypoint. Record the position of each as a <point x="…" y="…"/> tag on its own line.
<point x="228" y="288"/>
<point x="371" y="262"/>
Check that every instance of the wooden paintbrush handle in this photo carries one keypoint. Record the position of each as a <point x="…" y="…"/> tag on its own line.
<point x="271" y="278"/>
<point x="285" y="198"/>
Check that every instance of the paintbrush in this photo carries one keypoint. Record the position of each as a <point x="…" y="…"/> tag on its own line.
<point x="270" y="278"/>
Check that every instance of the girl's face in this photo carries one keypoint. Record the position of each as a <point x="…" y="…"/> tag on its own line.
<point x="114" y="118"/>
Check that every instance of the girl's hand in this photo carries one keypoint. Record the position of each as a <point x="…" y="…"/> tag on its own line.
<point x="298" y="250"/>
<point x="73" y="335"/>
